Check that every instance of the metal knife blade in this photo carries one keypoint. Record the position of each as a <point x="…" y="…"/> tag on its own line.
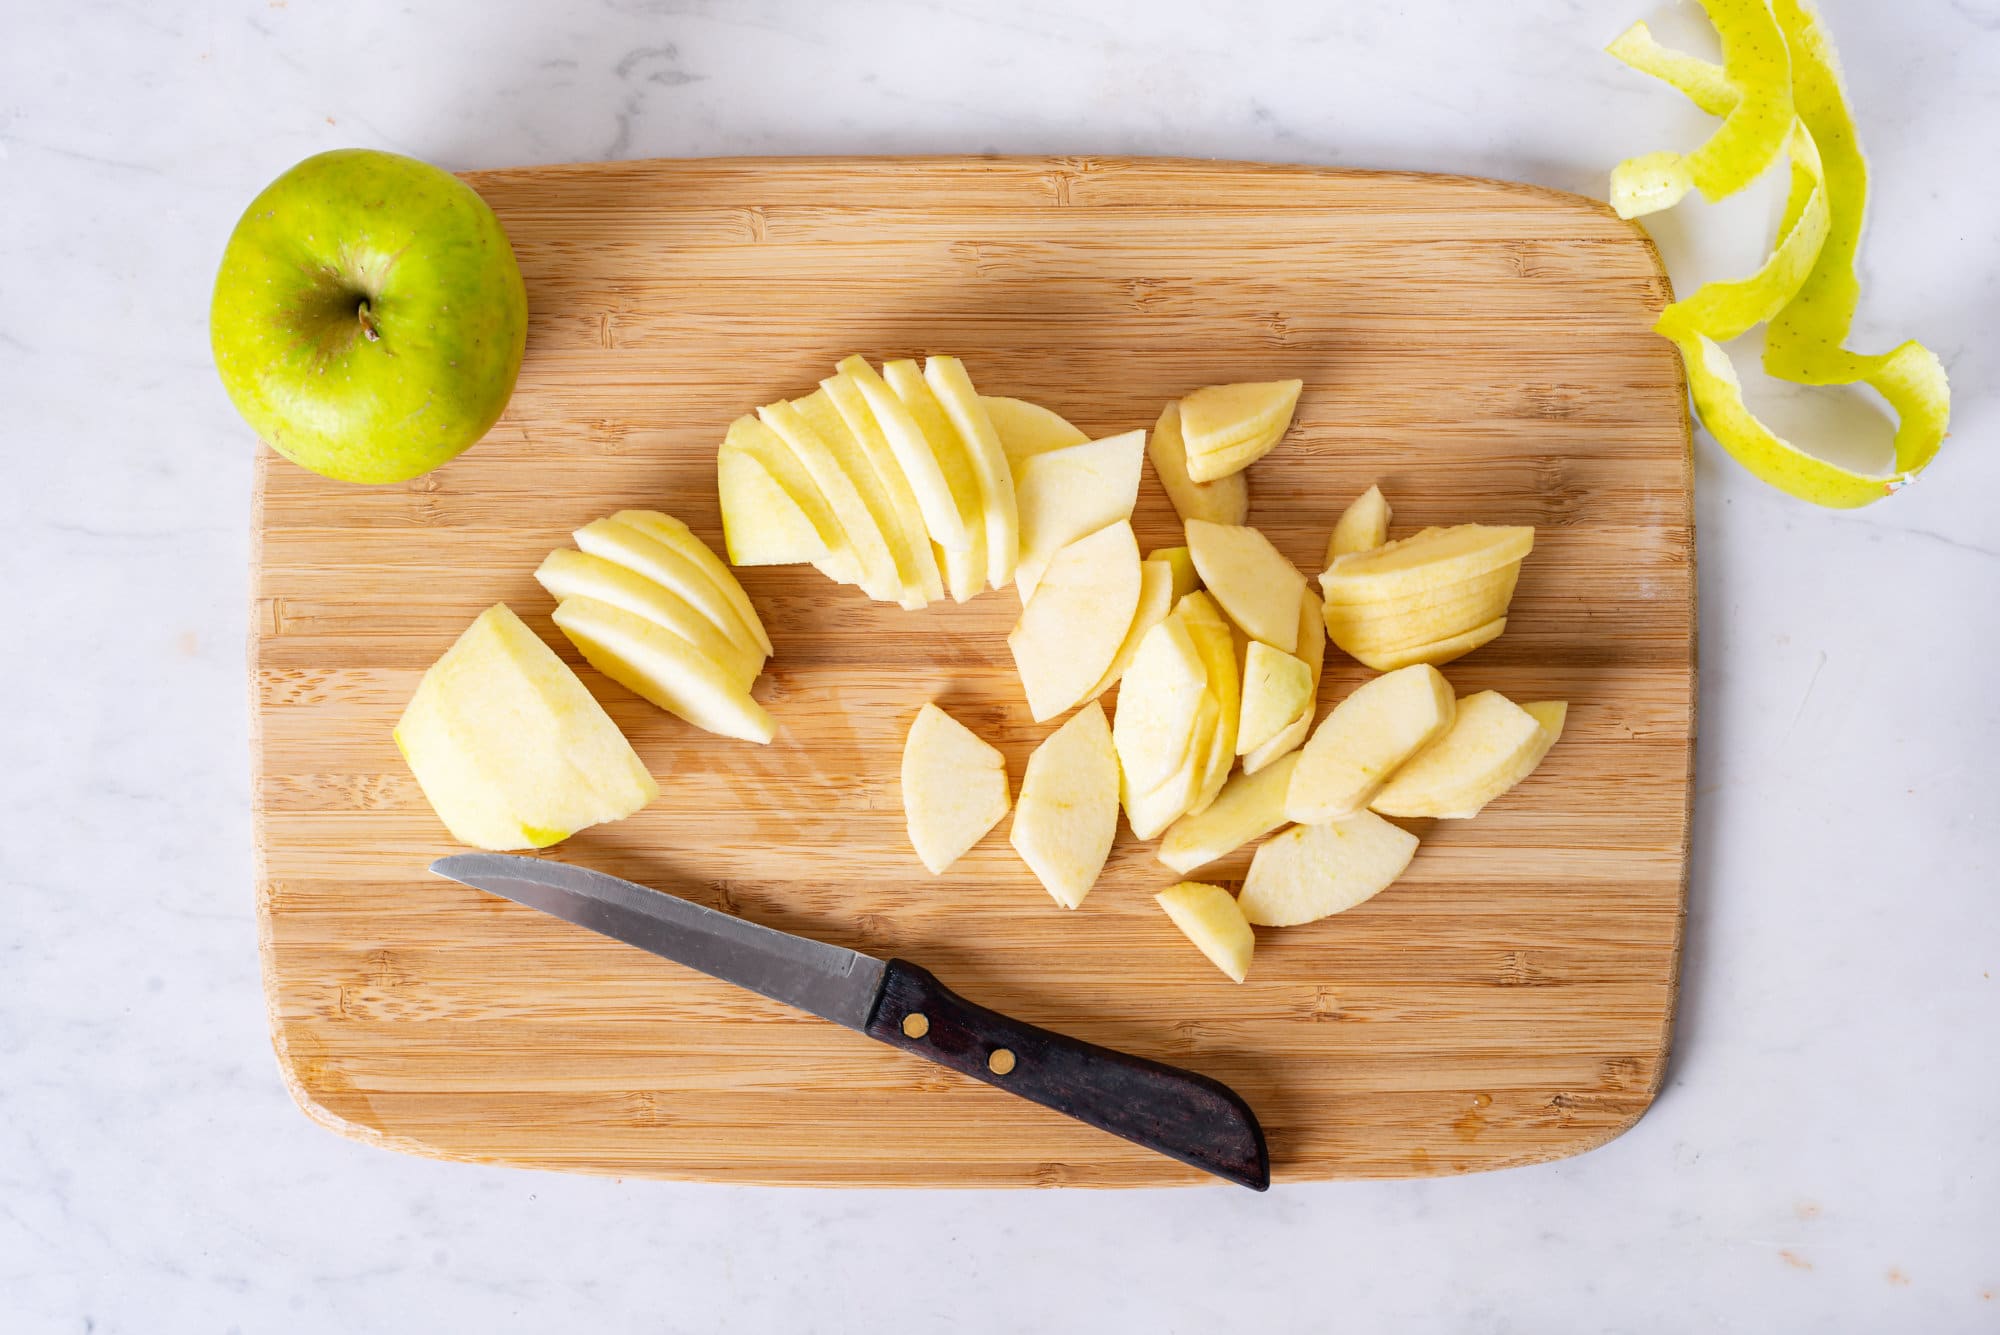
<point x="831" y="982"/>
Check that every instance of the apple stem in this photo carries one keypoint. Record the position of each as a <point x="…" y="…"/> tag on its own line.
<point x="367" y="318"/>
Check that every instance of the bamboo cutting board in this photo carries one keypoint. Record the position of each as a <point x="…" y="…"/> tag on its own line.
<point x="1480" y="349"/>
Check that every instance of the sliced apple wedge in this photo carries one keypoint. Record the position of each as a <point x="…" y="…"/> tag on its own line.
<point x="750" y="437"/>
<point x="1432" y="559"/>
<point x="1216" y="640"/>
<point x="1218" y="422"/>
<point x="910" y="553"/>
<point x="1414" y="618"/>
<point x="1156" y="590"/>
<point x="1208" y="916"/>
<point x="684" y="540"/>
<point x="1365" y="739"/>
<point x="954" y="788"/>
<point x="908" y="533"/>
<point x="1226" y="501"/>
<point x="1186" y="578"/>
<point x="761" y="525"/>
<point x="1310" y="872"/>
<point x="1252" y="580"/>
<point x="568" y="574"/>
<point x="1435" y="652"/>
<point x="1312" y="651"/>
<point x="879" y="576"/>
<point x="1151" y="812"/>
<point x="509" y="748"/>
<point x="953" y="387"/>
<point x="1276" y="686"/>
<point x="1249" y="806"/>
<point x="644" y="554"/>
<point x="1027" y="429"/>
<point x="965" y="566"/>
<point x="1070" y="631"/>
<point x="657" y="665"/>
<point x="1158" y="701"/>
<point x="1067" y="493"/>
<point x="1067" y="815"/>
<point x="1492" y="745"/>
<point x="934" y="479"/>
<point x="1363" y="526"/>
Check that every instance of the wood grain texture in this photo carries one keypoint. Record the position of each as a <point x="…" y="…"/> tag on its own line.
<point x="1481" y="350"/>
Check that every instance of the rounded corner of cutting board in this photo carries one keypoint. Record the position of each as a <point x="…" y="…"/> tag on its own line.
<point x="1454" y="313"/>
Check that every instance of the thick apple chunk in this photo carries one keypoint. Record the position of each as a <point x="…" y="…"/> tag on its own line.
<point x="1070" y="631"/>
<point x="954" y="788"/>
<point x="1226" y="428"/>
<point x="1492" y="745"/>
<point x="1208" y="915"/>
<point x="508" y="746"/>
<point x="1312" y="651"/>
<point x="1068" y="493"/>
<point x="1362" y="527"/>
<point x="1312" y="871"/>
<point x="1365" y="739"/>
<point x="1276" y="686"/>
<point x="655" y="664"/>
<point x="1068" y="812"/>
<point x="1249" y="806"/>
<point x="1226" y="501"/>
<point x="1027" y="429"/>
<point x="1252" y="580"/>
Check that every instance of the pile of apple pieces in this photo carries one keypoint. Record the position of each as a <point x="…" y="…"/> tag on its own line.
<point x="511" y="749"/>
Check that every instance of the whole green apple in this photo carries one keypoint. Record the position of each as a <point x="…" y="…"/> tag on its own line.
<point x="368" y="318"/>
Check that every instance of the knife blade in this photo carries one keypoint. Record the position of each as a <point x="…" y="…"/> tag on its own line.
<point x="1184" y="1115"/>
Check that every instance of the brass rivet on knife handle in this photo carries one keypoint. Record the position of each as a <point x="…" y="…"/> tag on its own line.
<point x="916" y="1024"/>
<point x="1001" y="1062"/>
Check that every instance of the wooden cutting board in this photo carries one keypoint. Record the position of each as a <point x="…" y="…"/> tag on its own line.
<point x="1480" y="349"/>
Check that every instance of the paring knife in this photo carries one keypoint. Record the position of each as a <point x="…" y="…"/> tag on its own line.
<point x="1189" y="1117"/>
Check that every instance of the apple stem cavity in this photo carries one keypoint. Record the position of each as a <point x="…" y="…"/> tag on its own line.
<point x="366" y="315"/>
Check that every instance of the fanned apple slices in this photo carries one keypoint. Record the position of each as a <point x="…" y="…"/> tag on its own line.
<point x="651" y="607"/>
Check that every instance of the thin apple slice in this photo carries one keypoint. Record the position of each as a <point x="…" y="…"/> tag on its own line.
<point x="965" y="566"/>
<point x="1365" y="739"/>
<point x="1252" y="580"/>
<point x="1158" y="701"/>
<point x="568" y="574"/>
<point x="1276" y="686"/>
<point x="1435" y="652"/>
<point x="1067" y="493"/>
<point x="752" y="438"/>
<point x="1432" y="614"/>
<point x="1070" y="631"/>
<point x="908" y="553"/>
<point x="1186" y="578"/>
<point x="1362" y="527"/>
<point x="1027" y="429"/>
<point x="655" y="664"/>
<point x="1218" y="420"/>
<point x="1312" y="650"/>
<point x="1249" y="806"/>
<point x="1310" y="872"/>
<point x="1068" y="812"/>
<point x="1155" y="601"/>
<point x="954" y="788"/>
<point x="684" y="540"/>
<point x="1222" y="502"/>
<point x="1208" y="916"/>
<point x="910" y="535"/>
<point x="1151" y="812"/>
<point x="671" y="568"/>
<point x="1492" y="745"/>
<point x="761" y="525"/>
<point x="879" y="577"/>
<point x="917" y="452"/>
<point x="1434" y="558"/>
<point x="953" y="387"/>
<point x="1216" y="640"/>
<point x="508" y="746"/>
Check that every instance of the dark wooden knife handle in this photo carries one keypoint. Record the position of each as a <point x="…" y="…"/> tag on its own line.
<point x="1201" y="1122"/>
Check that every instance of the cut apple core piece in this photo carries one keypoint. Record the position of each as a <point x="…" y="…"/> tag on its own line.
<point x="954" y="788"/>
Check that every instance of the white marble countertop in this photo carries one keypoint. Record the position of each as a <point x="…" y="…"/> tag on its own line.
<point x="1824" y="1156"/>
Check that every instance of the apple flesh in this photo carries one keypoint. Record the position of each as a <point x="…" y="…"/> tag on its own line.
<point x="955" y="393"/>
<point x="1312" y="871"/>
<point x="954" y="788"/>
<point x="1312" y="652"/>
<point x="1067" y="814"/>
<point x="1276" y="686"/>
<point x="1249" y="807"/>
<point x="509" y="748"/>
<point x="1208" y="916"/>
<point x="1365" y="739"/>
<point x="1216" y="641"/>
<point x="1158" y="702"/>
<point x="909" y="547"/>
<point x="1070" y="631"/>
<point x="659" y="666"/>
<point x="1226" y="428"/>
<point x="1027" y="429"/>
<point x="1491" y="745"/>
<point x="1156" y="589"/>
<point x="1186" y="578"/>
<point x="761" y="524"/>
<point x="368" y="318"/>
<point x="1363" y="525"/>
<point x="1065" y="494"/>
<point x="745" y="520"/>
<point x="1252" y="580"/>
<point x="1224" y="501"/>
